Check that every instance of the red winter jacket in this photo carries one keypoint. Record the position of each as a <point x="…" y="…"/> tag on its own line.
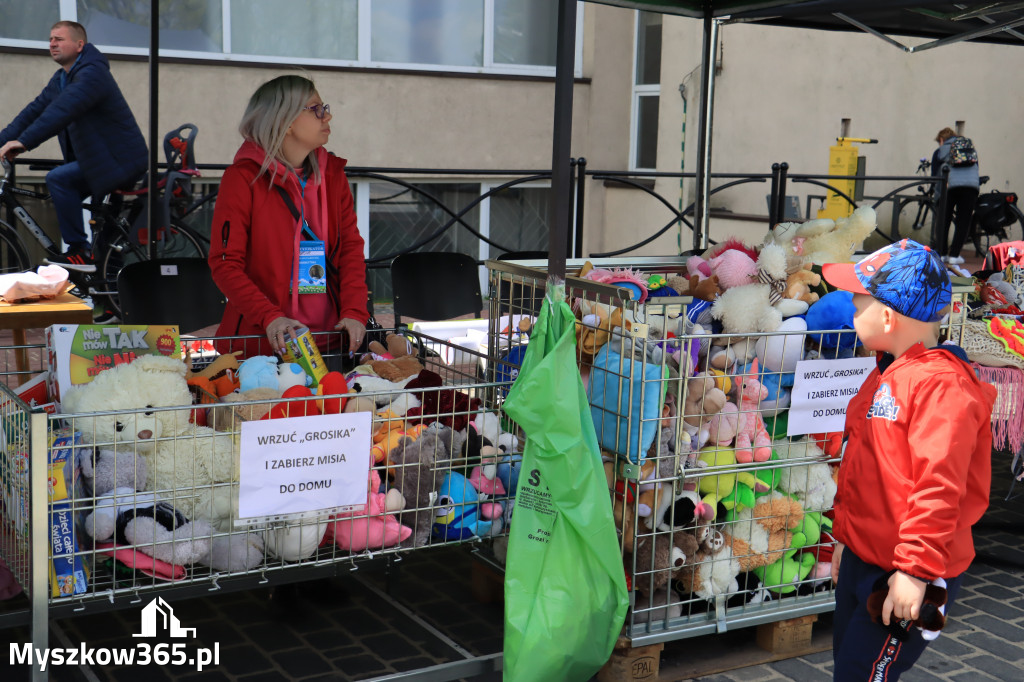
<point x="254" y="246"/>
<point x="917" y="468"/>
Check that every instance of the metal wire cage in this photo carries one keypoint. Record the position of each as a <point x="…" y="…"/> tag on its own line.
<point x="172" y="523"/>
<point x="718" y="529"/>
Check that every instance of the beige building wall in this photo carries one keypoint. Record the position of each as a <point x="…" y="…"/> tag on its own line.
<point x="780" y="96"/>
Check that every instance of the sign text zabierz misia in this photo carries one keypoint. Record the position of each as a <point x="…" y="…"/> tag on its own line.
<point x="304" y="464"/>
<point x="821" y="391"/>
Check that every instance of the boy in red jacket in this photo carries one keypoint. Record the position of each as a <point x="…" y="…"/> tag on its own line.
<point x="916" y="471"/>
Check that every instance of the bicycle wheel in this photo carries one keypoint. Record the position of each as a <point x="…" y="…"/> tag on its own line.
<point x="983" y="239"/>
<point x="12" y="252"/>
<point x="179" y="242"/>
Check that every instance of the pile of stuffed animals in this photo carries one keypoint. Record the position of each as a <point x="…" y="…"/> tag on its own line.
<point x="723" y="504"/>
<point x="159" y="455"/>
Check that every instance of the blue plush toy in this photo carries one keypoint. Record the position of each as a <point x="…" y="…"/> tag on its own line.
<point x="833" y="312"/>
<point x="264" y="371"/>
<point x="458" y="516"/>
<point x="259" y="371"/>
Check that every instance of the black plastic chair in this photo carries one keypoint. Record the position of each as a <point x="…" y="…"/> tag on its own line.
<point x="520" y="298"/>
<point x="435" y="285"/>
<point x="177" y="291"/>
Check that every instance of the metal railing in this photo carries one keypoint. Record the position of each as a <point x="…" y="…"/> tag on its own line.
<point x="456" y="216"/>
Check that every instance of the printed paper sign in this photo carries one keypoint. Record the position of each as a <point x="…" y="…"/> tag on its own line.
<point x="821" y="391"/>
<point x="304" y="464"/>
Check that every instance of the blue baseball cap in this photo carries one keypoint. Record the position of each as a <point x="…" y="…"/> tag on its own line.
<point x="905" y="276"/>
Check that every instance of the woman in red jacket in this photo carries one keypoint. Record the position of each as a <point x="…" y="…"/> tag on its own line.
<point x="285" y="248"/>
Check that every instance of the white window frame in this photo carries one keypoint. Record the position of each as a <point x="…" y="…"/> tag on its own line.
<point x="638" y="91"/>
<point x="69" y="12"/>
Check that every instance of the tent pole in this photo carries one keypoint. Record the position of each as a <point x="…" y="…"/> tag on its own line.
<point x="154" y="133"/>
<point x="707" y="102"/>
<point x="565" y="67"/>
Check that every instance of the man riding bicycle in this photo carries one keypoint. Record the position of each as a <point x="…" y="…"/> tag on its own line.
<point x="102" y="145"/>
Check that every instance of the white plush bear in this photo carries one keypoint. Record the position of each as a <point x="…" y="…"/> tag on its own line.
<point x="823" y="240"/>
<point x="194" y="468"/>
<point x="809" y="483"/>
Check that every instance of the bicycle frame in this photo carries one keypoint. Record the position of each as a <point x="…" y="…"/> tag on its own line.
<point x="8" y="197"/>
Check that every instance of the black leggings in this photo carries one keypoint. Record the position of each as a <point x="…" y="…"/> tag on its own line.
<point x="963" y="200"/>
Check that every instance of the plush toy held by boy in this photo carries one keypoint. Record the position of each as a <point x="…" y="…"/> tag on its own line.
<point x="916" y="472"/>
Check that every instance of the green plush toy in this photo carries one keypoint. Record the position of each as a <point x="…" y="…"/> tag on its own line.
<point x="721" y="487"/>
<point x="808" y="531"/>
<point x="783" y="576"/>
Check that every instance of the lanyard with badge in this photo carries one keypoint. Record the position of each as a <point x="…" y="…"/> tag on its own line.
<point x="312" y="251"/>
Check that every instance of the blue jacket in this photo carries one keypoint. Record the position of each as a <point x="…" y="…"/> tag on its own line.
<point x="92" y="120"/>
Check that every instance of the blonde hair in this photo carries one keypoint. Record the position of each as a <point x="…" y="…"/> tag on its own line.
<point x="271" y="110"/>
<point x="945" y="134"/>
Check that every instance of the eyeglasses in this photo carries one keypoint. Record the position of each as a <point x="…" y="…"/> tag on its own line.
<point x="319" y="110"/>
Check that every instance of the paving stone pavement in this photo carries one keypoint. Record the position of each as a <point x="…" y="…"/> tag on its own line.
<point x="390" y="617"/>
<point x="984" y="639"/>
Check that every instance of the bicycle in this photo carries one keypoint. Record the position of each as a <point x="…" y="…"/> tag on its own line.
<point x="120" y="235"/>
<point x="925" y="199"/>
<point x="996" y="219"/>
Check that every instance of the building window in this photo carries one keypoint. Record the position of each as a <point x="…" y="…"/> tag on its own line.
<point x="525" y="32"/>
<point x="646" y="92"/>
<point x="476" y="36"/>
<point x="284" y="29"/>
<point x="28" y="19"/>
<point x="441" y="32"/>
<point x="189" y="25"/>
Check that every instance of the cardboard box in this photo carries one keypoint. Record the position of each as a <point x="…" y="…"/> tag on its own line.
<point x="62" y="478"/>
<point x="68" y="573"/>
<point x="78" y="352"/>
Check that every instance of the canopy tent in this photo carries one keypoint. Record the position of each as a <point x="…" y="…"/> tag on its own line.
<point x="941" y="22"/>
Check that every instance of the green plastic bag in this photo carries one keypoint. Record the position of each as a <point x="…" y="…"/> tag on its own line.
<point x="565" y="589"/>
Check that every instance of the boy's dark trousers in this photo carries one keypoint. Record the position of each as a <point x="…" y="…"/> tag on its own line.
<point x="862" y="650"/>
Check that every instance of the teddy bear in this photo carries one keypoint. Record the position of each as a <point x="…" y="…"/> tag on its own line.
<point x="127" y="517"/>
<point x="660" y="557"/>
<point x="799" y="284"/>
<point x="215" y="380"/>
<point x="761" y="534"/>
<point x="811" y="483"/>
<point x="723" y="426"/>
<point x="706" y="289"/>
<point x="823" y="240"/>
<point x="395" y="361"/>
<point x="703" y="400"/>
<point x="595" y="322"/>
<point x="420" y="465"/>
<point x="713" y="572"/>
<point x="104" y="469"/>
<point x="931" y="616"/>
<point x="143" y="407"/>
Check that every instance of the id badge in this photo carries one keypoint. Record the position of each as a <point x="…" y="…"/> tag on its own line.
<point x="312" y="268"/>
